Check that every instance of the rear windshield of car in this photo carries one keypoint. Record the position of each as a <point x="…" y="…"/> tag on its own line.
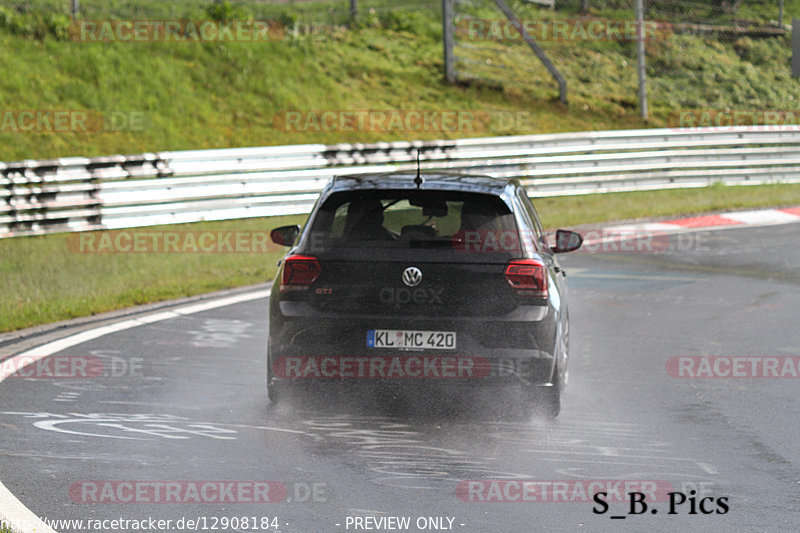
<point x="409" y="219"/>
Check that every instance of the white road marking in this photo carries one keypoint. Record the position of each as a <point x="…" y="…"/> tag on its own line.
<point x="708" y="468"/>
<point x="586" y="273"/>
<point x="12" y="511"/>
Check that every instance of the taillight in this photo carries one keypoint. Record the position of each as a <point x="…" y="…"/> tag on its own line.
<point x="528" y="277"/>
<point x="299" y="272"/>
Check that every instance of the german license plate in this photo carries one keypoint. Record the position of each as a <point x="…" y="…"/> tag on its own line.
<point x="411" y="339"/>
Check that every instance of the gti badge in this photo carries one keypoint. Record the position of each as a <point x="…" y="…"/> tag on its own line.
<point x="412" y="276"/>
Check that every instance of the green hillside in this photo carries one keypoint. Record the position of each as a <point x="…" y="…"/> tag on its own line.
<point x="190" y="95"/>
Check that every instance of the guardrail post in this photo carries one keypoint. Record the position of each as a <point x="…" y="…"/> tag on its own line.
<point x="796" y="48"/>
<point x="641" y="63"/>
<point x="447" y="31"/>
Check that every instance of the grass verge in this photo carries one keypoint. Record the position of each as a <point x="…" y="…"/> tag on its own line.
<point x="46" y="279"/>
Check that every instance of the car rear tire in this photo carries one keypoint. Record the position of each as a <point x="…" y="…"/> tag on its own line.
<point x="551" y="399"/>
<point x="547" y="400"/>
<point x="273" y="392"/>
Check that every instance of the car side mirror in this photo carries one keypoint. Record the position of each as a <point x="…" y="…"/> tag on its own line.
<point x="567" y="241"/>
<point x="285" y="235"/>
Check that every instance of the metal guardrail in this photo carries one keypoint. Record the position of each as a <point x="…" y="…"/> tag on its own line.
<point x="78" y="194"/>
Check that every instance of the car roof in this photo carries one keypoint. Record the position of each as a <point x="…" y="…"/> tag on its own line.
<point x="430" y="181"/>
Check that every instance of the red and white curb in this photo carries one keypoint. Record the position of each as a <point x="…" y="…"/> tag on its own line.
<point x="733" y="219"/>
<point x="762" y="217"/>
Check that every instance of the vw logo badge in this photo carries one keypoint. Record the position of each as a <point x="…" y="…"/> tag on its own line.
<point x="412" y="276"/>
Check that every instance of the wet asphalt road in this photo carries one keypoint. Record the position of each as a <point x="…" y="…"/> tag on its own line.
<point x="189" y="406"/>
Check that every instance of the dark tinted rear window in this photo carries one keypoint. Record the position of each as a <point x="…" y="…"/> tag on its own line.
<point x="407" y="218"/>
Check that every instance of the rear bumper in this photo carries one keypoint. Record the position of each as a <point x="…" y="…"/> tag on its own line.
<point x="430" y="393"/>
<point x="487" y="353"/>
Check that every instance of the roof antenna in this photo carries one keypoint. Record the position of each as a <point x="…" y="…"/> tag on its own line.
<point x="418" y="179"/>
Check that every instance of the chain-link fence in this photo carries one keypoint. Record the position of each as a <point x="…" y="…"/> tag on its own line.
<point x="590" y="53"/>
<point x="120" y="20"/>
<point x="701" y="55"/>
<point x="705" y="12"/>
<point x="321" y="11"/>
<point x="713" y="12"/>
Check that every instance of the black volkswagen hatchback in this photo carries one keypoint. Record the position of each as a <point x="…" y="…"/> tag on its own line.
<point x="399" y="280"/>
